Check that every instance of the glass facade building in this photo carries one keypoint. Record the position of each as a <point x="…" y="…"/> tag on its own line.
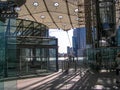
<point x="79" y="41"/>
<point x="26" y="49"/>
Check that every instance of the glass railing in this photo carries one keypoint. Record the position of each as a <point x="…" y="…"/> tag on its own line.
<point x="103" y="57"/>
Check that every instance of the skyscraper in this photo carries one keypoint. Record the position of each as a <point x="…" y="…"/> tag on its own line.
<point x="79" y="41"/>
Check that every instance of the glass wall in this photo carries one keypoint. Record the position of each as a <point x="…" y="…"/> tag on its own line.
<point x="2" y="55"/>
<point x="37" y="60"/>
<point x="102" y="58"/>
<point x="26" y="49"/>
<point x="53" y="63"/>
<point x="7" y="58"/>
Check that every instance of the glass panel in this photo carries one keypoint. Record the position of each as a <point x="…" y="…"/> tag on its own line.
<point x="23" y="61"/>
<point x="7" y="57"/>
<point x="52" y="59"/>
<point x="10" y="66"/>
<point x="103" y="57"/>
<point x="37" y="60"/>
<point x="2" y="55"/>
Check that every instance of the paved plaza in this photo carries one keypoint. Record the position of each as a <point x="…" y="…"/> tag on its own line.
<point x="89" y="80"/>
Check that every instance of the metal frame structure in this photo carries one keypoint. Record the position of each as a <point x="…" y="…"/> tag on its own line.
<point x="27" y="48"/>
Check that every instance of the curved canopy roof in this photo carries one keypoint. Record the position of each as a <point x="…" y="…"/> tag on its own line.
<point x="56" y="14"/>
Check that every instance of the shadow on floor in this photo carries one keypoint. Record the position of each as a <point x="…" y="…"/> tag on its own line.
<point x="73" y="81"/>
<point x="98" y="81"/>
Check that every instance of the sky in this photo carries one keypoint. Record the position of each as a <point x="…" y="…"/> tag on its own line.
<point x="64" y="39"/>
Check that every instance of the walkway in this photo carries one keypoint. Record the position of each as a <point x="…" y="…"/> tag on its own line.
<point x="71" y="81"/>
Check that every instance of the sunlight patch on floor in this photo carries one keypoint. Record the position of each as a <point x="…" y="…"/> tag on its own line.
<point x="98" y="87"/>
<point x="103" y="70"/>
<point x="66" y="87"/>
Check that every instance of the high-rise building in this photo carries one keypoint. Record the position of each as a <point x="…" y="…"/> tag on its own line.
<point x="79" y="41"/>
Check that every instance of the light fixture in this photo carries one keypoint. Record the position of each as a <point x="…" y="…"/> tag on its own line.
<point x="35" y="3"/>
<point x="76" y="10"/>
<point x="42" y="17"/>
<point x="60" y="17"/>
<point x="56" y="4"/>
